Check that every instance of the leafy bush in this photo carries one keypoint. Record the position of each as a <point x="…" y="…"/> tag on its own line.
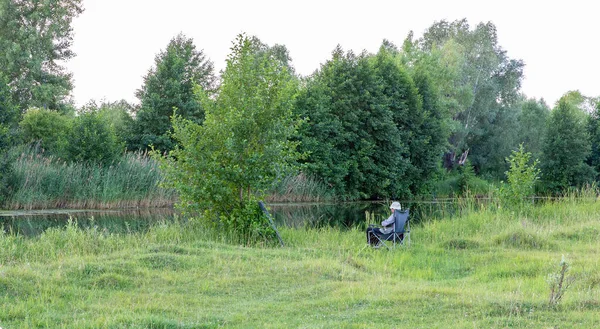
<point x="465" y="178"/>
<point x="248" y="224"/>
<point x="458" y="182"/>
<point x="521" y="177"/>
<point x="117" y="115"/>
<point x="46" y="127"/>
<point x="92" y="140"/>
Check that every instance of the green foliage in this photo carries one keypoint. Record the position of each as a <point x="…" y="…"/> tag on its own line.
<point x="35" y="37"/>
<point x="498" y="137"/>
<point x="532" y="126"/>
<point x="368" y="134"/>
<point x="593" y="128"/>
<point x="521" y="178"/>
<point x="9" y="115"/>
<point x="399" y="94"/>
<point x="452" y="184"/>
<point x="431" y="140"/>
<point x="46" y="127"/>
<point x="248" y="224"/>
<point x="116" y="114"/>
<point x="466" y="176"/>
<point x="566" y="147"/>
<point x="92" y="139"/>
<point x="584" y="103"/>
<point x="480" y="84"/>
<point x="226" y="164"/>
<point x="170" y="85"/>
<point x="90" y="136"/>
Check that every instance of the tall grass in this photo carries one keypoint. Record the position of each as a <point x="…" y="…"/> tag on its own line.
<point x="448" y="186"/>
<point x="38" y="181"/>
<point x="299" y="188"/>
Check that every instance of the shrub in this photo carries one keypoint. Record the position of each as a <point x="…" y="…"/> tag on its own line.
<point x="522" y="177"/>
<point x="559" y="282"/>
<point x="46" y="127"/>
<point x="92" y="140"/>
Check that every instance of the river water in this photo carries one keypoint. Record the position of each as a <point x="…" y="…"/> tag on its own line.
<point x="341" y="215"/>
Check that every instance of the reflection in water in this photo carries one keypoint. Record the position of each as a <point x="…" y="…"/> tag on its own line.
<point x="312" y="215"/>
<point x="343" y="215"/>
<point x="32" y="223"/>
<point x="353" y="214"/>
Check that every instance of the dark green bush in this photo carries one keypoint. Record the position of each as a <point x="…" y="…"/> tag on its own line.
<point x="92" y="140"/>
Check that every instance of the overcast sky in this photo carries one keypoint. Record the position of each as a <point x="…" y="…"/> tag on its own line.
<point x="116" y="40"/>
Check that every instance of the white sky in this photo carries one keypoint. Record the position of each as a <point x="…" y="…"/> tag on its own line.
<point x="116" y="40"/>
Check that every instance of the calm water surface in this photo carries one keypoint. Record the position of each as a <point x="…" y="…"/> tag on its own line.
<point x="352" y="214"/>
<point x="32" y="223"/>
<point x="341" y="215"/>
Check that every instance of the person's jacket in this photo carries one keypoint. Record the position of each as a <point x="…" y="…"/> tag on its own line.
<point x="388" y="224"/>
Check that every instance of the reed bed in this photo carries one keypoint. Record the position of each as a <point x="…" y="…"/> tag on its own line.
<point x="40" y="182"/>
<point x="299" y="188"/>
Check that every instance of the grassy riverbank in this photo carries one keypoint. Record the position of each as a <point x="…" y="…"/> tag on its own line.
<point x="482" y="270"/>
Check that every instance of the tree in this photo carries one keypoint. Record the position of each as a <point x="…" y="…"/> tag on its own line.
<point x="593" y="127"/>
<point x="584" y="103"/>
<point x="35" y="37"/>
<point x="434" y="130"/>
<point x="116" y="114"/>
<point x="92" y="139"/>
<point x="479" y="83"/>
<point x="494" y="139"/>
<point x="8" y="130"/>
<point x="9" y="115"/>
<point x="170" y="85"/>
<point x="46" y="128"/>
<point x="566" y="147"/>
<point x="351" y="135"/>
<point x="242" y="144"/>
<point x="368" y="134"/>
<point x="532" y="125"/>
<point x="419" y="121"/>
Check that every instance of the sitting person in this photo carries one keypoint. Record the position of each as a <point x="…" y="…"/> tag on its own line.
<point x="388" y="226"/>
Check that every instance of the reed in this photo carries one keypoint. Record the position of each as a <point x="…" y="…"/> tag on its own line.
<point x="299" y="188"/>
<point x="41" y="182"/>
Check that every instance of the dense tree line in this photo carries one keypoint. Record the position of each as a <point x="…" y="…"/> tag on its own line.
<point x="385" y="125"/>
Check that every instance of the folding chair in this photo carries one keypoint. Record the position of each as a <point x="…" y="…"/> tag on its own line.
<point x="400" y="233"/>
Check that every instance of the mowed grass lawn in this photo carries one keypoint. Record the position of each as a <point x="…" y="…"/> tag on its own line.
<point x="483" y="270"/>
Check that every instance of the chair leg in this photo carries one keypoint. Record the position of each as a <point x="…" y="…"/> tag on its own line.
<point x="380" y="242"/>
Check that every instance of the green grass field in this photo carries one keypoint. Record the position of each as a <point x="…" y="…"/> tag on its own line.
<point x="487" y="269"/>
